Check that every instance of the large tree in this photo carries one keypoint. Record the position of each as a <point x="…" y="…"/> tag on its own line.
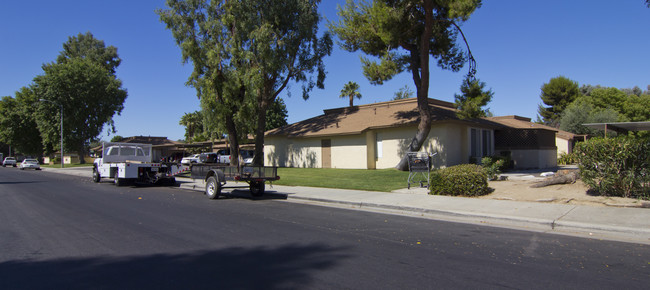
<point x="84" y="83"/>
<point x="194" y="129"/>
<point x="558" y="93"/>
<point x="581" y="112"/>
<point x="404" y="35"/>
<point x="245" y="53"/>
<point x="276" y="116"/>
<point x="472" y="99"/>
<point x="351" y="91"/>
<point x="18" y="124"/>
<point x="201" y="31"/>
<point x="278" y="43"/>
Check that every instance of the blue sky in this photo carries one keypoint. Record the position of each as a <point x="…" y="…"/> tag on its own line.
<point x="518" y="46"/>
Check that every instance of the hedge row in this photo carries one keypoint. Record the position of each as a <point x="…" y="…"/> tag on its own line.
<point x="616" y="166"/>
<point x="465" y="180"/>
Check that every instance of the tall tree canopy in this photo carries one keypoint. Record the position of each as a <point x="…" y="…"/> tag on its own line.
<point x="83" y="81"/>
<point x="277" y="115"/>
<point x="558" y="93"/>
<point x="245" y="53"/>
<point x="278" y="43"/>
<point x="17" y="123"/>
<point x="403" y="35"/>
<point x="351" y="91"/>
<point x="194" y="129"/>
<point x="201" y="31"/>
<point x="472" y="99"/>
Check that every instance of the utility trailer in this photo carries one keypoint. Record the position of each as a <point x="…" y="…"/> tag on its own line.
<point x="132" y="162"/>
<point x="216" y="177"/>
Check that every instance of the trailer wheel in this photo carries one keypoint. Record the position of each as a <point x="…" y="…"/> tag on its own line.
<point x="212" y="188"/>
<point x="257" y="188"/>
<point x="96" y="176"/>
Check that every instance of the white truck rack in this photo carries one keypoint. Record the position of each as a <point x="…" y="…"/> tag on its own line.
<point x="132" y="162"/>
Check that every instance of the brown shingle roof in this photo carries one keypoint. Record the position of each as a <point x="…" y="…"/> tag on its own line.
<point x="520" y="122"/>
<point x="357" y="119"/>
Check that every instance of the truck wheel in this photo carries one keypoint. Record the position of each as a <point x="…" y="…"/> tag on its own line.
<point x="96" y="176"/>
<point x="118" y="181"/>
<point x="257" y="188"/>
<point x="212" y="188"/>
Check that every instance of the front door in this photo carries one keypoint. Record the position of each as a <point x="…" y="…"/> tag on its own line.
<point x="326" y="152"/>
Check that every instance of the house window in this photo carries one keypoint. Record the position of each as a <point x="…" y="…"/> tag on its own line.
<point x="481" y="143"/>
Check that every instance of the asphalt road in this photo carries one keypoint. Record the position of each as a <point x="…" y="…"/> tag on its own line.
<point x="65" y="232"/>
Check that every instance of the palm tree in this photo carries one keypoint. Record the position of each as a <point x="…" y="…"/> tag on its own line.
<point x="350" y="90"/>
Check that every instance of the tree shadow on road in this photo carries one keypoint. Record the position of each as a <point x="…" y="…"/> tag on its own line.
<point x="290" y="266"/>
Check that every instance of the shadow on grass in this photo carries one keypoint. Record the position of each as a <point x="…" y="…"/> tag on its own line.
<point x="233" y="268"/>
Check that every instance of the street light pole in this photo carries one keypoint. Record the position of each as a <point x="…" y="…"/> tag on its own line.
<point x="61" y="107"/>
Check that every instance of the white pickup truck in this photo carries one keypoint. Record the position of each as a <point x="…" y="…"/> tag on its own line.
<point x="125" y="162"/>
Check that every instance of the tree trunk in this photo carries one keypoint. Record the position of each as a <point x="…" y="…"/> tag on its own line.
<point x="234" y="141"/>
<point x="81" y="154"/>
<point x="258" y="157"/>
<point x="558" y="179"/>
<point x="420" y="70"/>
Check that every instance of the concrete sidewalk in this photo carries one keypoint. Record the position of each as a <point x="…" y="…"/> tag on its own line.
<point x="612" y="223"/>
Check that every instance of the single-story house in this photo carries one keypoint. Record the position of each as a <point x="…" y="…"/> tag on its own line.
<point x="376" y="136"/>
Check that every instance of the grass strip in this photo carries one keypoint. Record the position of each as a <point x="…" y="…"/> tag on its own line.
<point x="385" y="180"/>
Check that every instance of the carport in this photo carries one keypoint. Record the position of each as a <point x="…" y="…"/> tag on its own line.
<point x="620" y="127"/>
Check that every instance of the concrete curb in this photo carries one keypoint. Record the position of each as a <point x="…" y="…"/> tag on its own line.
<point x="553" y="225"/>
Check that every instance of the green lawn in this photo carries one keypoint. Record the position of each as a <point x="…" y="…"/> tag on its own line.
<point x="360" y="179"/>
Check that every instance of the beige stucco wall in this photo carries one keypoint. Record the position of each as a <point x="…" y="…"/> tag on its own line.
<point x="288" y="152"/>
<point x="535" y="158"/>
<point x="450" y="141"/>
<point x="395" y="142"/>
<point x="349" y="152"/>
<point x="562" y="146"/>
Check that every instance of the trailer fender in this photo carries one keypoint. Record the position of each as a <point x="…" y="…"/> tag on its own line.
<point x="218" y="174"/>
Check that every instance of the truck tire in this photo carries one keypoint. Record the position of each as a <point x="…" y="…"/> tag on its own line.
<point x="212" y="188"/>
<point x="96" y="176"/>
<point x="257" y="188"/>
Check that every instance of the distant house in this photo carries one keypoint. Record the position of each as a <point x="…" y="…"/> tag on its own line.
<point x="377" y="135"/>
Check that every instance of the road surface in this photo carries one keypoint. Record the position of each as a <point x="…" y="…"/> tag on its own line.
<point x="59" y="231"/>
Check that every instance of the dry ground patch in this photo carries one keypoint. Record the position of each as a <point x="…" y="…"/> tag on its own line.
<point x="576" y="193"/>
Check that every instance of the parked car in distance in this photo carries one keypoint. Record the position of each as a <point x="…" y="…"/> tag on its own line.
<point x="223" y="156"/>
<point x="209" y="157"/>
<point x="9" y="161"/>
<point x="191" y="159"/>
<point x="247" y="156"/>
<point x="29" y="164"/>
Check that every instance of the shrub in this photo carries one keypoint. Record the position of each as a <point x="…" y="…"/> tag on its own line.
<point x="567" y="158"/>
<point x="616" y="166"/>
<point x="464" y="180"/>
<point x="492" y="167"/>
